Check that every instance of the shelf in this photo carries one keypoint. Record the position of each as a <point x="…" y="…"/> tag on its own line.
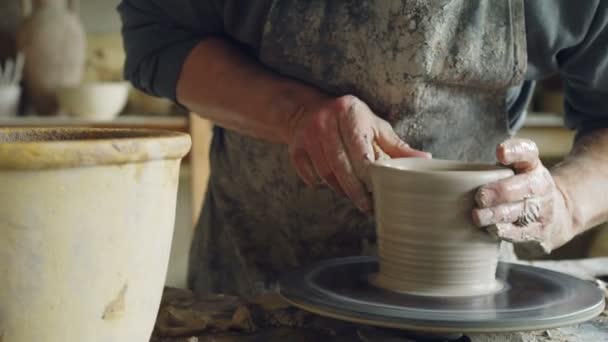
<point x="546" y="120"/>
<point x="174" y="123"/>
<point x="553" y="139"/>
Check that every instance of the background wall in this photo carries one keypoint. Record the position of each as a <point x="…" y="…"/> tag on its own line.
<point x="99" y="16"/>
<point x="9" y="21"/>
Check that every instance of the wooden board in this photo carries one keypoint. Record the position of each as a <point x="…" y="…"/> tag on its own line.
<point x="184" y="317"/>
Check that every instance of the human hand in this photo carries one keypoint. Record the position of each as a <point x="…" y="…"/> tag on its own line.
<point x="334" y="142"/>
<point x="527" y="209"/>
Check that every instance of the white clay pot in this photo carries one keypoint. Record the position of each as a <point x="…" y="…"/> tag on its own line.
<point x="97" y="101"/>
<point x="86" y="222"/>
<point x="427" y="243"/>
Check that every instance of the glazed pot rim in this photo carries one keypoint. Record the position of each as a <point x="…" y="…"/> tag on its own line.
<point x="437" y="167"/>
<point x="67" y="147"/>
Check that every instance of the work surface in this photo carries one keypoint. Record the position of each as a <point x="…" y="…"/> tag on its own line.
<point x="185" y="318"/>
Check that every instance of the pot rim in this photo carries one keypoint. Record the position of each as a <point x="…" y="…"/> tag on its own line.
<point x="35" y="148"/>
<point x="437" y="167"/>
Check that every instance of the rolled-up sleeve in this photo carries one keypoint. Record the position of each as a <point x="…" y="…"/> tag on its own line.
<point x="571" y="38"/>
<point x="158" y="35"/>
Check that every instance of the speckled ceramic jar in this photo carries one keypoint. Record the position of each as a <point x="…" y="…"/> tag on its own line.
<point x="86" y="222"/>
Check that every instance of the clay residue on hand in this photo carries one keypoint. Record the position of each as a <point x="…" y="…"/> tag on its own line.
<point x="115" y="308"/>
<point x="529" y="240"/>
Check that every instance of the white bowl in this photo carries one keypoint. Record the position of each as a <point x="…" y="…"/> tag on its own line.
<point x="9" y="99"/>
<point x="95" y="101"/>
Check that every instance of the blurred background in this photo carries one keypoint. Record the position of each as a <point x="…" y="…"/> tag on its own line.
<point x="78" y="52"/>
<point x="73" y="77"/>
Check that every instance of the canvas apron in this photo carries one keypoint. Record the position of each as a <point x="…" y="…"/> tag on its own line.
<point x="438" y="71"/>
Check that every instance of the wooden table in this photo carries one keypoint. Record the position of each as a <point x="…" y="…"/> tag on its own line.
<point x="185" y="318"/>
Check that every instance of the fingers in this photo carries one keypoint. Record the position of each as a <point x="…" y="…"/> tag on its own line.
<point x="517" y="188"/>
<point x="339" y="142"/>
<point x="303" y="165"/>
<point x="504" y="213"/>
<point x="310" y="163"/>
<point x="524" y="212"/>
<point x="516" y="234"/>
<point x="322" y="165"/>
<point x="358" y="143"/>
<point x="342" y="168"/>
<point x="530" y="238"/>
<point x="521" y="154"/>
<point x="390" y="143"/>
<point x="334" y="185"/>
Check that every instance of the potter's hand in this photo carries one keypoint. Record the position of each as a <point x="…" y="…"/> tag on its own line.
<point x="333" y="143"/>
<point x="527" y="209"/>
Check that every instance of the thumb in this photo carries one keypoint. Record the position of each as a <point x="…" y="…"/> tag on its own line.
<point x="389" y="142"/>
<point x="522" y="154"/>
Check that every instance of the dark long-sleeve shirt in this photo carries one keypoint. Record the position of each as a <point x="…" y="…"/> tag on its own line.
<point x="564" y="37"/>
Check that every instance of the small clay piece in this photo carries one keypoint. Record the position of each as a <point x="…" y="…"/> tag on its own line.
<point x="182" y="314"/>
<point x="427" y="244"/>
<point x="225" y="318"/>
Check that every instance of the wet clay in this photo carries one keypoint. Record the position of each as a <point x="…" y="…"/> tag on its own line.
<point x="427" y="243"/>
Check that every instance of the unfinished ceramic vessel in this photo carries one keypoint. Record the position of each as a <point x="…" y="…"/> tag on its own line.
<point x="86" y="222"/>
<point x="427" y="243"/>
<point x="54" y="42"/>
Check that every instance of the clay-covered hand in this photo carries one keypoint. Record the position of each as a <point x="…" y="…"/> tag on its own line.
<point x="335" y="141"/>
<point x="527" y="209"/>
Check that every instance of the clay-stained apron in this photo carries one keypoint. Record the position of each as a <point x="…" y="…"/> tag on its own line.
<point x="438" y="71"/>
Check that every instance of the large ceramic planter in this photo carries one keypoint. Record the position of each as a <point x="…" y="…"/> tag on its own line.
<point x="86" y="221"/>
<point x="427" y="243"/>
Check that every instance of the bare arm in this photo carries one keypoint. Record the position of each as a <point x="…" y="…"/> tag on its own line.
<point x="331" y="139"/>
<point x="583" y="180"/>
<point x="221" y="84"/>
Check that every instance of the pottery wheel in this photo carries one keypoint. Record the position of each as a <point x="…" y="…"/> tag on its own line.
<point x="532" y="298"/>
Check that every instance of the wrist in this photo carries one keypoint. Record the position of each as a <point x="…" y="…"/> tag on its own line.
<point x="294" y="103"/>
<point x="563" y="183"/>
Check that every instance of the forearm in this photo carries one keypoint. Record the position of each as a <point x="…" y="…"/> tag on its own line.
<point x="583" y="180"/>
<point x="225" y="86"/>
